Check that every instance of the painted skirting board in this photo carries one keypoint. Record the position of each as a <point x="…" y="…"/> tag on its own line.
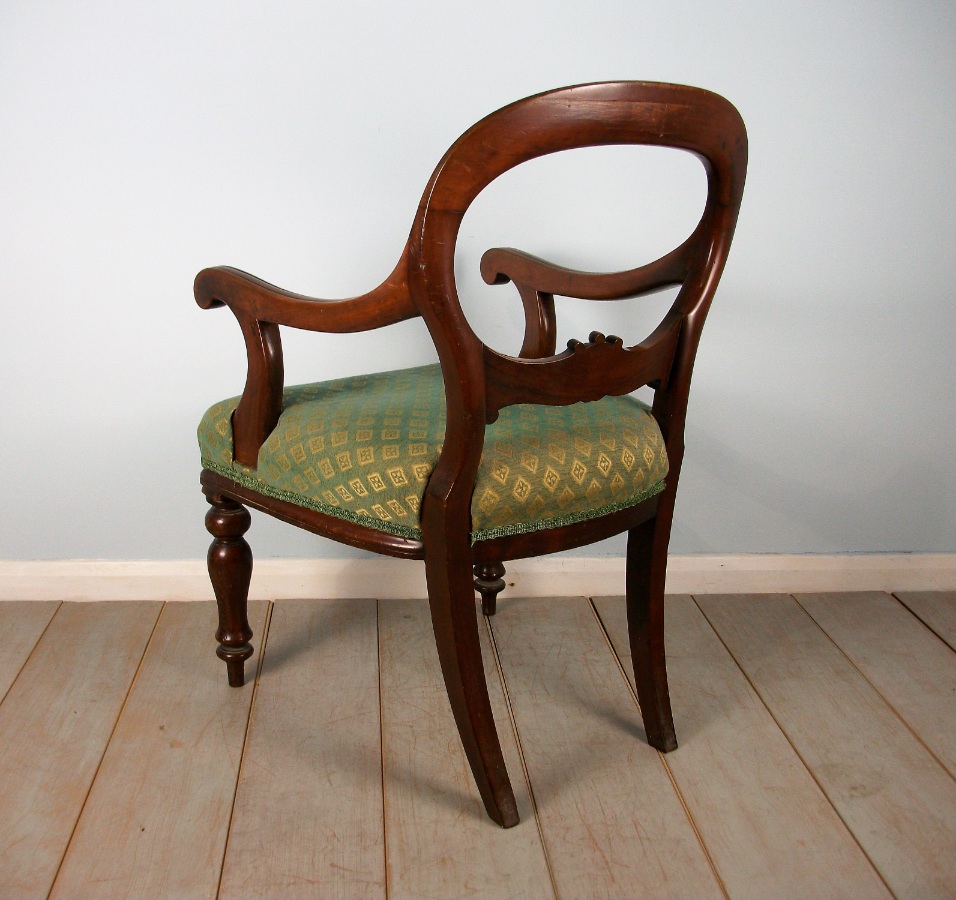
<point x="274" y="579"/>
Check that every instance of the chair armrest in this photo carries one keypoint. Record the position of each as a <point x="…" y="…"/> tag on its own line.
<point x="254" y="298"/>
<point x="260" y="308"/>
<point x="503" y="264"/>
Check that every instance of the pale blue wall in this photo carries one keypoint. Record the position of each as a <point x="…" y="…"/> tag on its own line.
<point x="140" y="142"/>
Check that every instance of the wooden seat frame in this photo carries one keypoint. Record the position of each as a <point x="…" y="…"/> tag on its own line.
<point x="479" y="382"/>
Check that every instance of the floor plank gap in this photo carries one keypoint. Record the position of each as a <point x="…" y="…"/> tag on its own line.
<point x="935" y="609"/>
<point x="950" y="769"/>
<point x="99" y="765"/>
<point x="263" y="642"/>
<point x="663" y="756"/>
<point x="381" y="733"/>
<point x="809" y="769"/>
<point x="524" y="765"/>
<point x="13" y="661"/>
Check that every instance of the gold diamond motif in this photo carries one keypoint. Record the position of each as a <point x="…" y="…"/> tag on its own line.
<point x="550" y="479"/>
<point x="397" y="508"/>
<point x="536" y="465"/>
<point x="488" y="500"/>
<point x="522" y="488"/>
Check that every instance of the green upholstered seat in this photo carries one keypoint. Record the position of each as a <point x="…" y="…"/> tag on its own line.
<point x="362" y="449"/>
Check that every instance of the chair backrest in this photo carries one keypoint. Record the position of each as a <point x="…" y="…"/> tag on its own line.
<point x="480" y="381"/>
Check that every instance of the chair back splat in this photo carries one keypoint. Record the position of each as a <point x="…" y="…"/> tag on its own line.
<point x="411" y="464"/>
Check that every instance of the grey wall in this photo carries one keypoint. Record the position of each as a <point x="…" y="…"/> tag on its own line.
<point x="140" y="142"/>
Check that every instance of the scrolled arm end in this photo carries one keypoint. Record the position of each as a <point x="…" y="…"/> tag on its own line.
<point x="212" y="286"/>
<point x="493" y="264"/>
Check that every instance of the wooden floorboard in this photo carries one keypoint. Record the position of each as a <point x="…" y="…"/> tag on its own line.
<point x="908" y="664"/>
<point x="157" y="815"/>
<point x="612" y="822"/>
<point x="308" y="816"/>
<point x="55" y="723"/>
<point x="814" y="746"/>
<point x="899" y="802"/>
<point x="440" y="842"/>
<point x="21" y="624"/>
<point x="936" y="609"/>
<point x="769" y="828"/>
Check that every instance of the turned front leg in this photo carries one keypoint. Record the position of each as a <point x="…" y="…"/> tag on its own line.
<point x="230" y="571"/>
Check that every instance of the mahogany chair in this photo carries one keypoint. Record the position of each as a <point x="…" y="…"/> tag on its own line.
<point x="485" y="457"/>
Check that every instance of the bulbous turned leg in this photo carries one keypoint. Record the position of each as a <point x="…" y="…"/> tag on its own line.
<point x="489" y="582"/>
<point x="230" y="571"/>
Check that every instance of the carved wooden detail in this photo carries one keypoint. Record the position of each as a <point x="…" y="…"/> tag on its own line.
<point x="601" y="367"/>
<point x="479" y="382"/>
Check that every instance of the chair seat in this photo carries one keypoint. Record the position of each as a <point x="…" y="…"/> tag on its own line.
<point x="362" y="449"/>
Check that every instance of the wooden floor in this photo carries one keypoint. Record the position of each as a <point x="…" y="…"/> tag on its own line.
<point x="817" y="756"/>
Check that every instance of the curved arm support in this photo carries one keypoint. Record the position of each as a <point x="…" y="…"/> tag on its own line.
<point x="503" y="264"/>
<point x="540" y="324"/>
<point x="261" y="402"/>
<point x="390" y="302"/>
<point x="261" y="308"/>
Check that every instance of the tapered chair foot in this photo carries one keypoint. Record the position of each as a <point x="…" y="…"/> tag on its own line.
<point x="489" y="582"/>
<point x="646" y="562"/>
<point x="459" y="652"/>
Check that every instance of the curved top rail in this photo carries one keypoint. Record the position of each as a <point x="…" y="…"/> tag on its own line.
<point x="666" y="115"/>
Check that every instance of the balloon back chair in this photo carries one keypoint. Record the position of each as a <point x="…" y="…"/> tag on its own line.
<point x="484" y="457"/>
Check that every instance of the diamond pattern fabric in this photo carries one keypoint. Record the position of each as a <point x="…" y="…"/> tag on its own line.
<point x="362" y="449"/>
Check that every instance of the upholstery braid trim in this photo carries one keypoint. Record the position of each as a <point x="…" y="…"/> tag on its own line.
<point x="405" y="531"/>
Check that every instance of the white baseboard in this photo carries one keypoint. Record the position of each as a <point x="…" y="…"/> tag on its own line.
<point x="546" y="576"/>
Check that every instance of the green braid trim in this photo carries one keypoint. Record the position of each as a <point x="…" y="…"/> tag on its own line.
<point x="405" y="531"/>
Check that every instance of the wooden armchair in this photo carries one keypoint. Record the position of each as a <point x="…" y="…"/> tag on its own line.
<point x="486" y="457"/>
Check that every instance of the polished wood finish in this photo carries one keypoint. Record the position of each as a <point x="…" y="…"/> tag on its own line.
<point x="479" y="382"/>
<point x="230" y="570"/>
<point x="489" y="582"/>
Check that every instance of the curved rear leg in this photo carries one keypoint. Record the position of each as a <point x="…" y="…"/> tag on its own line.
<point x="646" y="565"/>
<point x="489" y="582"/>
<point x="451" y="597"/>
<point x="230" y="570"/>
